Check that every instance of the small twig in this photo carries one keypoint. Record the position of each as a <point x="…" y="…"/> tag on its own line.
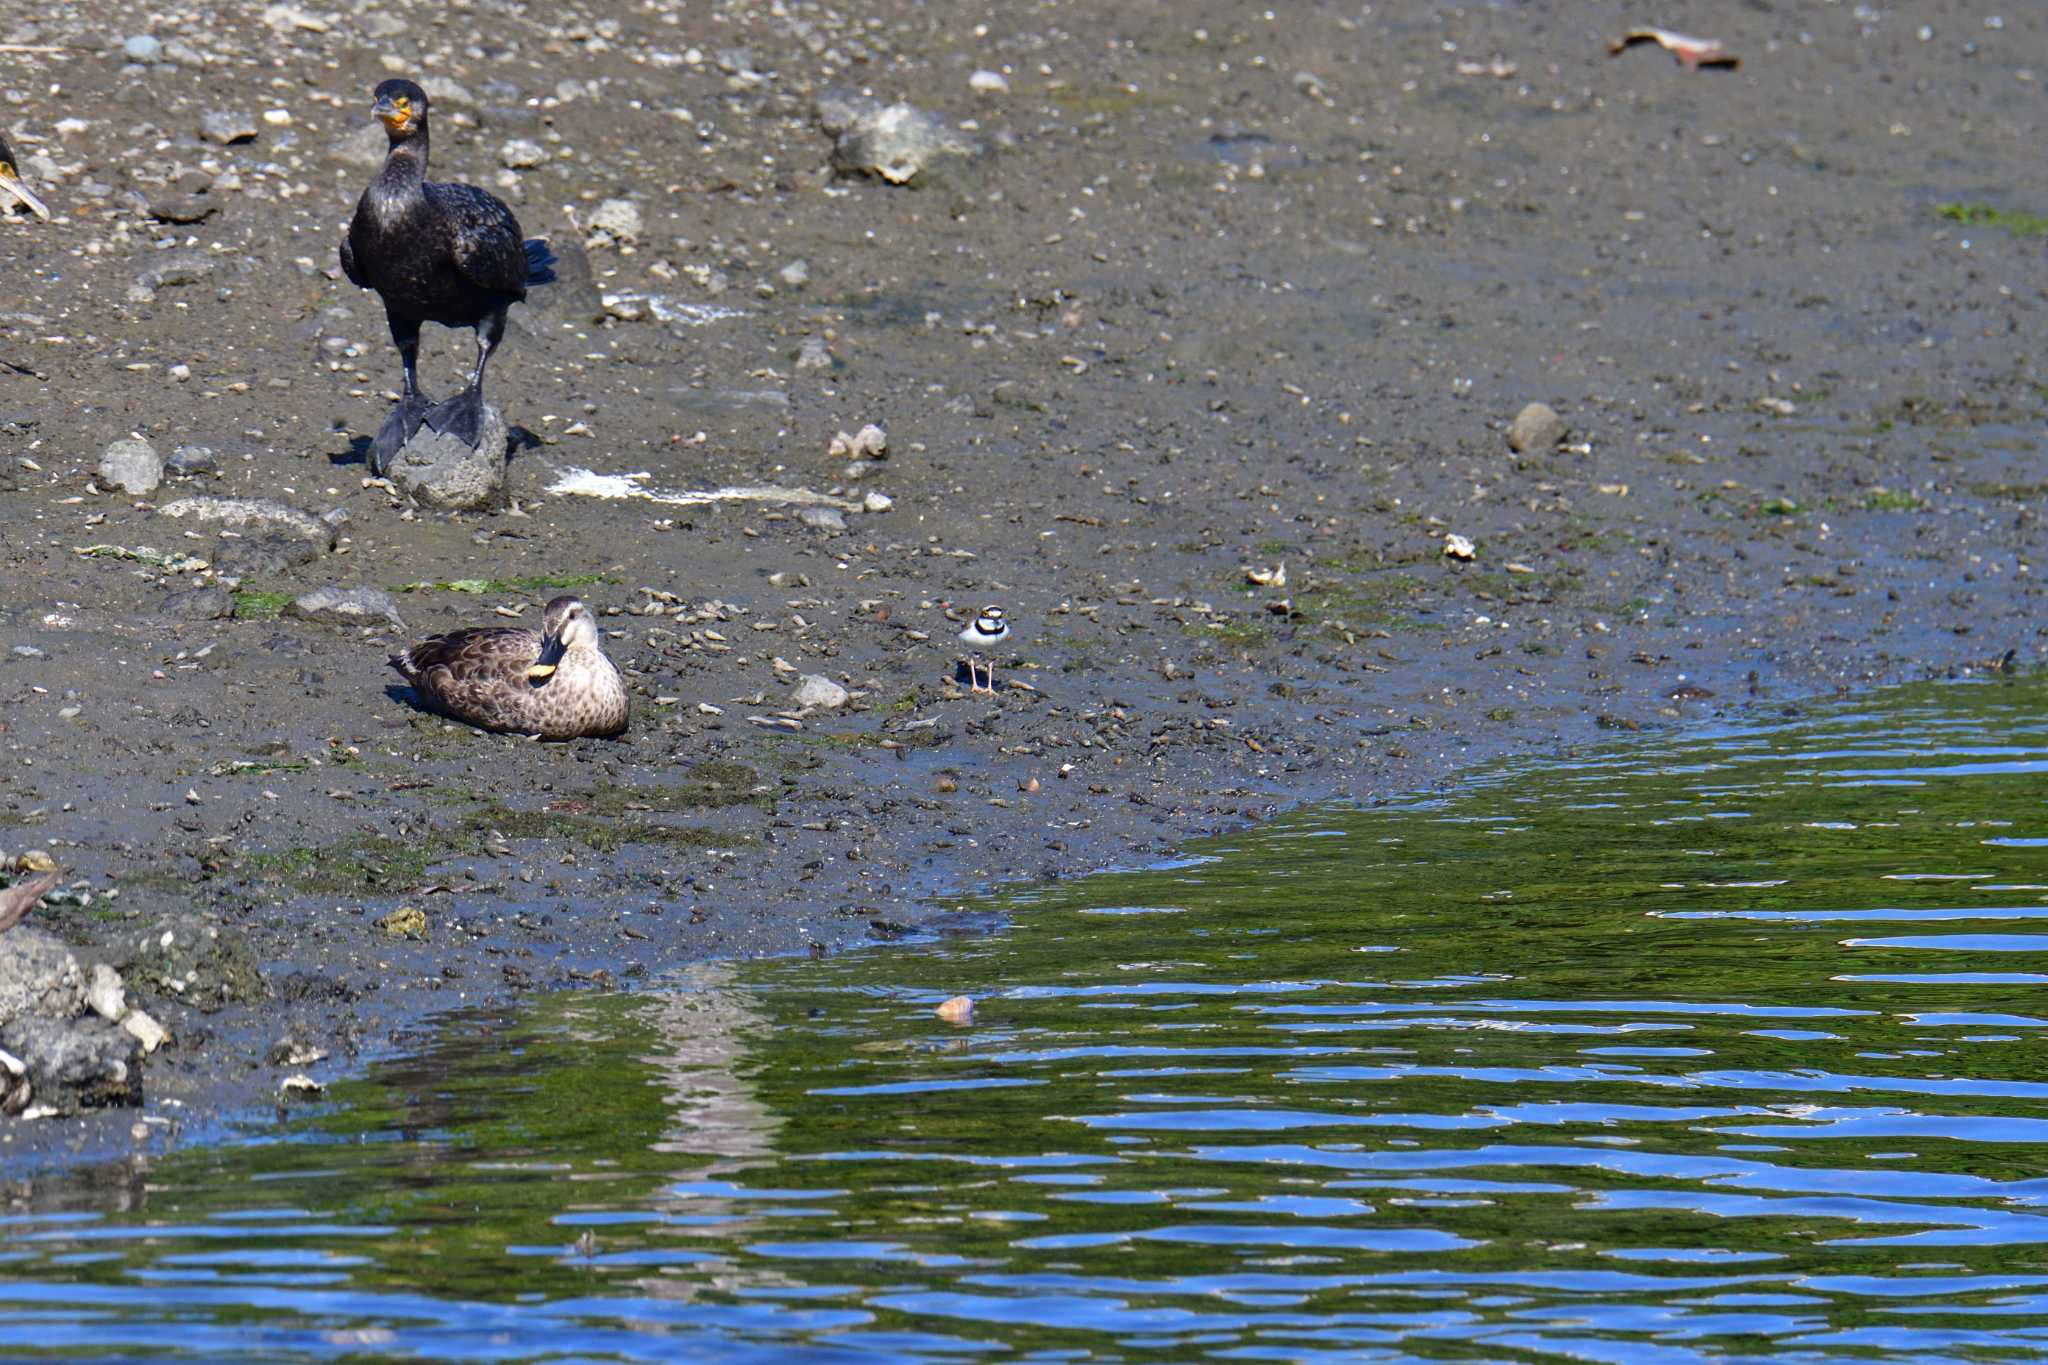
<point x="30" y="47"/>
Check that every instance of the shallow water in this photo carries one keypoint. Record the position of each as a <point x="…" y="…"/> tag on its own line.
<point x="1725" y="1048"/>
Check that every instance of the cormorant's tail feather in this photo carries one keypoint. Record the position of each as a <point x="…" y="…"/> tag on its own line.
<point x="540" y="262"/>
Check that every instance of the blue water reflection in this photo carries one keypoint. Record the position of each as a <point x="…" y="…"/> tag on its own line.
<point x="1720" y="1048"/>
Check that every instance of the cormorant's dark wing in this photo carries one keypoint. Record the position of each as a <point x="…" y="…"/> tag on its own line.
<point x="483" y="237"/>
<point x="348" y="264"/>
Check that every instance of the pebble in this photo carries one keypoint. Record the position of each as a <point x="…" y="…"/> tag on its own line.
<point x="829" y="519"/>
<point x="813" y="354"/>
<point x="337" y="606"/>
<point x="987" y="82"/>
<point x="188" y="460"/>
<point x="105" y="992"/>
<point x="1457" y="546"/>
<point x="142" y="48"/>
<point x="795" y="275"/>
<point x="816" y="692"/>
<point x="405" y="922"/>
<point x="869" y="443"/>
<point x="132" y="465"/>
<point x="177" y="267"/>
<point x="616" y="220"/>
<point x="144" y="1030"/>
<point x="183" y="208"/>
<point x="227" y="127"/>
<point x="520" y="154"/>
<point x="877" y="502"/>
<point x="1536" y="427"/>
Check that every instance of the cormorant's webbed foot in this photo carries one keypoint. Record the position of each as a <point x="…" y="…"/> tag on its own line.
<point x="461" y="417"/>
<point x="399" y="427"/>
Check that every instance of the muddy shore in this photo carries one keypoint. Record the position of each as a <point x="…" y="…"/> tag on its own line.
<point x="1225" y="294"/>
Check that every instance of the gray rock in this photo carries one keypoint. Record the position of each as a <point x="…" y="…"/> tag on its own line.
<point x="828" y="519"/>
<point x="144" y="1030"/>
<point x="264" y="556"/>
<point x="439" y="470"/>
<point x="446" y="90"/>
<point x="132" y="465"/>
<point x="186" y="461"/>
<point x="142" y="48"/>
<point x="76" y="1064"/>
<point x="199" y="604"/>
<point x="177" y="267"/>
<point x="190" y="957"/>
<point x="38" y="975"/>
<point x="228" y="126"/>
<point x="259" y="514"/>
<point x="351" y="607"/>
<point x="899" y="143"/>
<point x="521" y="154"/>
<point x="183" y="208"/>
<point x="617" y="220"/>
<point x="529" y="477"/>
<point x="573" y="295"/>
<point x="816" y="692"/>
<point x="364" y="147"/>
<point x="1536" y="427"/>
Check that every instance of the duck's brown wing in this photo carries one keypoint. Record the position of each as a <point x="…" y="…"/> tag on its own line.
<point x="480" y="652"/>
<point x="476" y="675"/>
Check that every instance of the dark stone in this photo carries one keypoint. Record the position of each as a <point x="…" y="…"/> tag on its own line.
<point x="38" y="975"/>
<point x="264" y="556"/>
<point x="190" y="957"/>
<point x="199" y="604"/>
<point x="76" y="1063"/>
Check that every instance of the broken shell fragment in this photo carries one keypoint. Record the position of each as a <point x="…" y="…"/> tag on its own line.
<point x="1692" y="53"/>
<point x="958" y="1010"/>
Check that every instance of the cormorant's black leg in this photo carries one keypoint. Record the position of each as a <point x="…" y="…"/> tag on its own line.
<point x="412" y="406"/>
<point x="463" y="415"/>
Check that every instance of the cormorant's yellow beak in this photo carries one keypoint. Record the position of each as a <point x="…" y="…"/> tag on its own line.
<point x="397" y="115"/>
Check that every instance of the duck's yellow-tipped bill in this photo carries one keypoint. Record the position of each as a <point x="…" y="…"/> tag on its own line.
<point x="539" y="672"/>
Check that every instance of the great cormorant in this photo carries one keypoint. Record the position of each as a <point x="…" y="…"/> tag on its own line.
<point x="450" y="254"/>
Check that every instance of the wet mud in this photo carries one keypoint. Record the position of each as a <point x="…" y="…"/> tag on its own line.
<point x="1193" y="370"/>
